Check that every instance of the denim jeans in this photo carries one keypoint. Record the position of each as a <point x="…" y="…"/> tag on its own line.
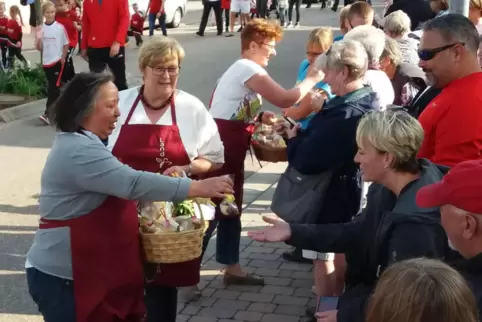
<point x="54" y="296"/>
<point x="227" y="239"/>
<point x="152" y="23"/>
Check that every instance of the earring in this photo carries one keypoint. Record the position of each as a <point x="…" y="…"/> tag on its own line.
<point x="386" y="166"/>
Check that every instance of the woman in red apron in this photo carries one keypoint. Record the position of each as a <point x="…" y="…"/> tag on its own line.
<point x="85" y="262"/>
<point x="159" y="135"/>
<point x="235" y="105"/>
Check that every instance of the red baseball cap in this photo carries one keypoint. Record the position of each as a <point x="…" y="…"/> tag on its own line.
<point x="460" y="187"/>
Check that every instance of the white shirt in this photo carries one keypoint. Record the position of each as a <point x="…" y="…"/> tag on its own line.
<point x="232" y="97"/>
<point x="54" y="38"/>
<point x="197" y="128"/>
<point x="382" y="86"/>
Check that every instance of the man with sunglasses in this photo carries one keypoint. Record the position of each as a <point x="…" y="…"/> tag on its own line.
<point x="453" y="120"/>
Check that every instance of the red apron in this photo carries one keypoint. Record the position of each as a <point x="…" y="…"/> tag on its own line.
<point x="155" y="148"/>
<point x="106" y="262"/>
<point x="236" y="138"/>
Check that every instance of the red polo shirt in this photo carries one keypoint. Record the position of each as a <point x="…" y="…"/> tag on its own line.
<point x="453" y="123"/>
<point x="137" y="22"/>
<point x="104" y="22"/>
<point x="155" y="6"/>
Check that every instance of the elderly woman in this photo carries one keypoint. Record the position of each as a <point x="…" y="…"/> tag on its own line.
<point x="163" y="129"/>
<point x="397" y="26"/>
<point x="426" y="290"/>
<point x="84" y="264"/>
<point x="319" y="41"/>
<point x="392" y="227"/>
<point x="235" y="105"/>
<point x="407" y="79"/>
<point x="344" y="65"/>
<point x="373" y="40"/>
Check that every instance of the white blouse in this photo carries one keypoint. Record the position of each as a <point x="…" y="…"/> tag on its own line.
<point x="197" y="128"/>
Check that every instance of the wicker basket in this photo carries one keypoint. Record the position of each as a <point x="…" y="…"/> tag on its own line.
<point x="173" y="247"/>
<point x="268" y="153"/>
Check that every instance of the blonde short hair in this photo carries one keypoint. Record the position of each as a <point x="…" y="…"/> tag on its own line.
<point x="160" y="50"/>
<point x="393" y="132"/>
<point x="343" y="17"/>
<point x="476" y="4"/>
<point x="321" y="37"/>
<point x="372" y="39"/>
<point x="421" y="290"/>
<point x="392" y="51"/>
<point x="46" y="5"/>
<point x="397" y="23"/>
<point x="345" y="53"/>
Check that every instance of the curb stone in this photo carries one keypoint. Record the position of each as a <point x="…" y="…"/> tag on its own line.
<point x="22" y="111"/>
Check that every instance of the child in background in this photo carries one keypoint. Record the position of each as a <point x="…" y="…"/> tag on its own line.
<point x="69" y="20"/>
<point x="3" y="35"/>
<point x="225" y="7"/>
<point x="15" y="34"/>
<point x="254" y="12"/>
<point x="282" y="11"/>
<point x="54" y="45"/>
<point x="137" y="25"/>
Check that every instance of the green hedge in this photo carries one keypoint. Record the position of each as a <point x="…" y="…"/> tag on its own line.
<point x="24" y="81"/>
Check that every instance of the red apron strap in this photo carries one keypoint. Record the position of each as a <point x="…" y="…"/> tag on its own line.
<point x="133" y="108"/>
<point x="173" y="110"/>
<point x="48" y="224"/>
<point x="211" y="99"/>
<point x="59" y="79"/>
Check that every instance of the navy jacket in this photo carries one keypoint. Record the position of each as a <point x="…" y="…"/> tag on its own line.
<point x="330" y="142"/>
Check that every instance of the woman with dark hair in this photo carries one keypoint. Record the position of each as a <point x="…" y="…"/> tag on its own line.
<point x="84" y="264"/>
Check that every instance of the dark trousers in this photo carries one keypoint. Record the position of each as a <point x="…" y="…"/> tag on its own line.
<point x="99" y="60"/>
<point x="228" y="237"/>
<point x="226" y="13"/>
<point x="4" y="50"/>
<point x="32" y="21"/>
<point x="152" y="23"/>
<point x="15" y="52"/>
<point x="216" y="6"/>
<point x="52" y="74"/>
<point x="54" y="296"/>
<point x="69" y="69"/>
<point x="161" y="303"/>
<point x="137" y="35"/>
<point x="80" y="39"/>
<point x="296" y="4"/>
<point x="262" y="8"/>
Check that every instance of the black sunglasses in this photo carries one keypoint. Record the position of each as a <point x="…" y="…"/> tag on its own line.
<point x="429" y="54"/>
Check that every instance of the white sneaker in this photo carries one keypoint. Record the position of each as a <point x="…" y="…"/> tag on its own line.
<point x="44" y="118"/>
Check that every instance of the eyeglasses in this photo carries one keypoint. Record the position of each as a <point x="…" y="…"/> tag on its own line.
<point x="160" y="71"/>
<point x="429" y="54"/>
<point x="270" y="46"/>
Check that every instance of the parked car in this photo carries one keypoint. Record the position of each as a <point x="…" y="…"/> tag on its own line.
<point x="175" y="10"/>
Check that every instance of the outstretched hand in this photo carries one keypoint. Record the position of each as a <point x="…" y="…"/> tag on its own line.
<point x="279" y="230"/>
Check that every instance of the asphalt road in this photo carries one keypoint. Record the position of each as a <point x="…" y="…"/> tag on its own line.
<point x="25" y="144"/>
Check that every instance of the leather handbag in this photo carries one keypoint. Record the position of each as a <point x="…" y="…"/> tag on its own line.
<point x="298" y="197"/>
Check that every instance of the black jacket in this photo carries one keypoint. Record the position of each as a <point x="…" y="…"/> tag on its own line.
<point x="419" y="11"/>
<point x="389" y="230"/>
<point x="471" y="269"/>
<point x="329" y="142"/>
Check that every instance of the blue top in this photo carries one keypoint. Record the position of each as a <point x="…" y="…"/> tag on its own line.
<point x="303" y="70"/>
<point x="338" y="38"/>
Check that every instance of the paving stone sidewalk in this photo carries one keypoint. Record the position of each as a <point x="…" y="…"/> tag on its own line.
<point x="287" y="290"/>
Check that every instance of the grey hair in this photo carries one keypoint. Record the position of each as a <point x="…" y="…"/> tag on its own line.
<point x="397" y="23"/>
<point x="392" y="51"/>
<point x="345" y="53"/>
<point x="372" y="39"/>
<point x="455" y="28"/>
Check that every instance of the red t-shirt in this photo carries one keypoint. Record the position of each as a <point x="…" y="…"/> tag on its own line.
<point x="14" y="31"/>
<point x="137" y="22"/>
<point x="3" y="28"/>
<point x="453" y="123"/>
<point x="67" y="19"/>
<point x="155" y="6"/>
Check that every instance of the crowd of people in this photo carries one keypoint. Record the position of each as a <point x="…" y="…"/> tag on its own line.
<point x="387" y="115"/>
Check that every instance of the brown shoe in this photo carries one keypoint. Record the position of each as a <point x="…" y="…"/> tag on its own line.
<point x="249" y="279"/>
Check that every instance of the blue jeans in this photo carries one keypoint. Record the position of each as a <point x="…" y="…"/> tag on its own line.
<point x="152" y="23"/>
<point x="54" y="296"/>
<point x="228" y="238"/>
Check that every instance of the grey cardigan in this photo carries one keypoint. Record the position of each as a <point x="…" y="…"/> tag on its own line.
<point x="80" y="173"/>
